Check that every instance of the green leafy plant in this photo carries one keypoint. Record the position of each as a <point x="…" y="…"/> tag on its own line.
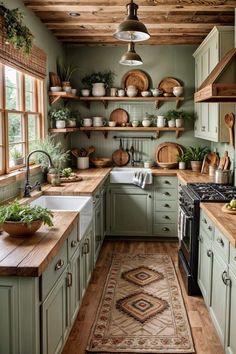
<point x="196" y="153"/>
<point x="55" y="149"/>
<point x="174" y="114"/>
<point x="16" y="154"/>
<point x="182" y="158"/>
<point x="59" y="113"/>
<point x="65" y="70"/>
<point x="16" y="32"/>
<point x="66" y="172"/>
<point x="25" y="213"/>
<point x="107" y="77"/>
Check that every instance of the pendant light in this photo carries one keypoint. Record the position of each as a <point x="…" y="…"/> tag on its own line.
<point x="131" y="58"/>
<point x="131" y="29"/>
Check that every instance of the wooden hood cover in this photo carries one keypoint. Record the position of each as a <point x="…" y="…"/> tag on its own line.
<point x="210" y="91"/>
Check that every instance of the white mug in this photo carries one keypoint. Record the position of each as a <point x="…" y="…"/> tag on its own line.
<point x="113" y="92"/>
<point x="86" y="122"/>
<point x="98" y="122"/>
<point x="121" y="93"/>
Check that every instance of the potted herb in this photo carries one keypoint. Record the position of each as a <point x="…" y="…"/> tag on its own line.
<point x="182" y="159"/>
<point x="21" y="220"/>
<point x="17" y="156"/>
<point x="60" y="116"/>
<point x="196" y="155"/>
<point x="178" y="116"/>
<point x="17" y="33"/>
<point x="65" y="71"/>
<point x="99" y="81"/>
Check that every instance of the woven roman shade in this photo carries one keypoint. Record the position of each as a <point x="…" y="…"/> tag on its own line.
<point x="34" y="64"/>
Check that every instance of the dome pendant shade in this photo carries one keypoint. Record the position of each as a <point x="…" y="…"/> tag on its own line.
<point x="131" y="29"/>
<point x="131" y="58"/>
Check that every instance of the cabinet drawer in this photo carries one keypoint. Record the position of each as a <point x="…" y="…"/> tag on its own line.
<point x="165" y="205"/>
<point x="165" y="181"/>
<point x="54" y="270"/>
<point x="206" y="225"/>
<point x="165" y="217"/>
<point x="232" y="252"/>
<point x="165" y="229"/>
<point x="165" y="194"/>
<point x="221" y="245"/>
<point x="73" y="242"/>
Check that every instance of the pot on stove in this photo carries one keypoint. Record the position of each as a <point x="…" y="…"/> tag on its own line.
<point x="222" y="177"/>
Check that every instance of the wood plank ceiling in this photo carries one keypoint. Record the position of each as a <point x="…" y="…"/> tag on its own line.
<point x="168" y="21"/>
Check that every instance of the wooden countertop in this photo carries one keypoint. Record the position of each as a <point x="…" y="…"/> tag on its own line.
<point x="30" y="256"/>
<point x="226" y="223"/>
<point x="188" y="176"/>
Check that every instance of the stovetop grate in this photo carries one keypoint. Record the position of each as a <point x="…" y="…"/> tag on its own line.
<point x="211" y="192"/>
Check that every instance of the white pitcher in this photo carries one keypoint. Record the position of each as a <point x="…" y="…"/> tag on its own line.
<point x="99" y="89"/>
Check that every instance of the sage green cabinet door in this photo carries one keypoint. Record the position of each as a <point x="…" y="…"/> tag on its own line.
<point x="83" y="270"/>
<point x="97" y="228"/>
<point x="73" y="280"/>
<point x="131" y="212"/>
<point x="86" y="260"/>
<point x="103" y="213"/>
<point x="55" y="318"/>
<point x="204" y="267"/>
<point x="89" y="255"/>
<point x="231" y="318"/>
<point x="218" y="298"/>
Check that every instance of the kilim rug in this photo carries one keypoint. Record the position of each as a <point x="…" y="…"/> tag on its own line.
<point x="141" y="309"/>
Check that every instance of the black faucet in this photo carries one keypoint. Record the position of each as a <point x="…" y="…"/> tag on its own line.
<point x="132" y="151"/>
<point x="28" y="188"/>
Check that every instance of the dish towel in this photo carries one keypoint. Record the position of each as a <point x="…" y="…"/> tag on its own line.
<point x="141" y="178"/>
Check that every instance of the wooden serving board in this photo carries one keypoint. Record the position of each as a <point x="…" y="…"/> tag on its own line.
<point x="137" y="78"/>
<point x="211" y="159"/>
<point x="119" y="116"/>
<point x="167" y="84"/>
<point x="228" y="211"/>
<point x="168" y="152"/>
<point x="68" y="179"/>
<point x="120" y="157"/>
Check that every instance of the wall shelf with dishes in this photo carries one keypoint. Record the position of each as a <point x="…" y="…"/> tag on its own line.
<point x="106" y="130"/>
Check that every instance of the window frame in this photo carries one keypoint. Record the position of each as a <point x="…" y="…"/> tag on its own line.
<point x="39" y="105"/>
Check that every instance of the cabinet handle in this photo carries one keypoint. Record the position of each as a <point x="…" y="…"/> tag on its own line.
<point x="166" y="206"/>
<point x="166" y="217"/>
<point x="69" y="280"/>
<point x="200" y="239"/>
<point x="73" y="243"/>
<point x="88" y="248"/>
<point x="85" y="248"/>
<point x="203" y="128"/>
<point x="235" y="258"/>
<point x="166" y="193"/>
<point x="209" y="228"/>
<point x="220" y="241"/>
<point x="149" y="196"/>
<point x="209" y="253"/>
<point x="226" y="280"/>
<point x="167" y="182"/>
<point x="94" y="202"/>
<point x="59" y="264"/>
<point x="165" y="229"/>
<point x="204" y="220"/>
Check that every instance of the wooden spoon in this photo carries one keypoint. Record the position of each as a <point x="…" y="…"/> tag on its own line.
<point x="75" y="152"/>
<point x="229" y="121"/>
<point x="90" y="150"/>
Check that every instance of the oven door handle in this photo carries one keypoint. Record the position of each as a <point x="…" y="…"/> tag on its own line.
<point x="184" y="212"/>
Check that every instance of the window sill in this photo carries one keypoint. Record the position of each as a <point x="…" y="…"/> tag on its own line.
<point x="17" y="175"/>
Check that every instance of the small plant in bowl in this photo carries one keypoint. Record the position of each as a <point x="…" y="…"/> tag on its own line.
<point x="60" y="116"/>
<point x="182" y="159"/>
<point x="17" y="156"/>
<point x="178" y="116"/>
<point x="196" y="155"/>
<point x="20" y="220"/>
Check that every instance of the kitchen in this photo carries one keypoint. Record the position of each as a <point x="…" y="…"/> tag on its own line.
<point x="64" y="274"/>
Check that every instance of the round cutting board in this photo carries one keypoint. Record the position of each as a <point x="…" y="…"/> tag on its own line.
<point x="167" y="153"/>
<point x="119" y="116"/>
<point x="167" y="84"/>
<point x="137" y="78"/>
<point x="120" y="157"/>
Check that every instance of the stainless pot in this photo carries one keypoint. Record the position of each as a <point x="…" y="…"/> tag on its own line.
<point x="222" y="177"/>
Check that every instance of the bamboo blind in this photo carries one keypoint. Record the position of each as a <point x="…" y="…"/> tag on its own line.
<point x="34" y="64"/>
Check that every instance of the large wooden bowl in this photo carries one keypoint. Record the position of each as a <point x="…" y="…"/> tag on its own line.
<point x="101" y="162"/>
<point x="19" y="229"/>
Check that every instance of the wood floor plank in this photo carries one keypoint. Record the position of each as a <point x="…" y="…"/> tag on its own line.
<point x="204" y="334"/>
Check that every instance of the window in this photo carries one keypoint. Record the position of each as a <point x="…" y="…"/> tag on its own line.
<point x="21" y="117"/>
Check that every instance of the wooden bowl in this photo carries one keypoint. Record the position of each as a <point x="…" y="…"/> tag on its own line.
<point x="19" y="229"/>
<point x="167" y="165"/>
<point x="101" y="162"/>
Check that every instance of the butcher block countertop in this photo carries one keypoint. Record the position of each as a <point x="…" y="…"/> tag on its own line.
<point x="226" y="223"/>
<point x="188" y="176"/>
<point x="30" y="256"/>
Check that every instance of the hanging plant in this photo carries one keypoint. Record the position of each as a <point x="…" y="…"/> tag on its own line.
<point x="16" y="32"/>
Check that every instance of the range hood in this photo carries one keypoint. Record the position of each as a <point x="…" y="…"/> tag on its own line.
<point x="213" y="91"/>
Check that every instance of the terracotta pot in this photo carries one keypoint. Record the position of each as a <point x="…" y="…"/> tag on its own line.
<point x="196" y="166"/>
<point x="19" y="229"/>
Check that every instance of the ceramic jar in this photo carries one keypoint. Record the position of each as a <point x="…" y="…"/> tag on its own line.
<point x="160" y="121"/>
<point x="146" y="122"/>
<point x="171" y="123"/>
<point x="179" y="122"/>
<point x="85" y="92"/>
<point x="86" y="122"/>
<point x="131" y="91"/>
<point x="98" y="89"/>
<point x="135" y="123"/>
<point x="121" y="93"/>
<point x="60" y="124"/>
<point x="98" y="121"/>
<point x="113" y="91"/>
<point x="71" y="123"/>
<point x="182" y="165"/>
<point x="178" y="90"/>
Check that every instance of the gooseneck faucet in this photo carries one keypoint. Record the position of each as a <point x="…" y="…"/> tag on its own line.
<point x="28" y="188"/>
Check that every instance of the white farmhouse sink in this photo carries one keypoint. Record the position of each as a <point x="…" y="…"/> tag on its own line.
<point x="126" y="174"/>
<point x="83" y="205"/>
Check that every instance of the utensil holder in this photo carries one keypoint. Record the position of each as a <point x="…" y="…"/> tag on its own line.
<point x="82" y="163"/>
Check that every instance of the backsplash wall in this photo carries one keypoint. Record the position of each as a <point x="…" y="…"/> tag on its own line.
<point x="159" y="62"/>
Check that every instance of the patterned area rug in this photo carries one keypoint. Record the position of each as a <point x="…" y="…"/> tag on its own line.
<point x="141" y="309"/>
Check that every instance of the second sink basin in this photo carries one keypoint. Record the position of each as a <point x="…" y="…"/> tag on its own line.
<point x="126" y="174"/>
<point x="84" y="205"/>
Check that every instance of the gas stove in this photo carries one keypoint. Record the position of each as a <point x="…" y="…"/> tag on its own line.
<point x="210" y="192"/>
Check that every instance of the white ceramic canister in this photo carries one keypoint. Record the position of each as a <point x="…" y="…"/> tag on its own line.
<point x="86" y="122"/>
<point x="85" y="92"/>
<point x="182" y="165"/>
<point x="98" y="121"/>
<point x="83" y="163"/>
<point x="98" y="89"/>
<point x="60" y="124"/>
<point x="171" y="123"/>
<point x="160" y="121"/>
<point x="113" y="91"/>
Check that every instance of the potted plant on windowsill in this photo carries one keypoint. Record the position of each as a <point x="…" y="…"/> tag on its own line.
<point x="98" y="82"/>
<point x="178" y="117"/>
<point x="17" y="157"/>
<point x="196" y="155"/>
<point x="20" y="220"/>
<point x="60" y="116"/>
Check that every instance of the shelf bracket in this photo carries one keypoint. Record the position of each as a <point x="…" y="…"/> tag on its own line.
<point x="105" y="133"/>
<point x="53" y="99"/>
<point x="177" y="133"/>
<point x="178" y="103"/>
<point x="86" y="132"/>
<point x="158" y="134"/>
<point x="105" y="103"/>
<point x="158" y="104"/>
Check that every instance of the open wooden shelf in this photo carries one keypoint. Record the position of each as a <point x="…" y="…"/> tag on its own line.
<point x="106" y="130"/>
<point x="55" y="96"/>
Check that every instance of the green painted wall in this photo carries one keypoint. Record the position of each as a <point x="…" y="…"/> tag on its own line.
<point x="159" y="62"/>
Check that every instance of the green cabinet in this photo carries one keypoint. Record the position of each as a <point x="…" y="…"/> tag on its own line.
<point x="86" y="260"/>
<point x="204" y="266"/>
<point x="97" y="227"/>
<point x="73" y="283"/>
<point x="130" y="211"/>
<point x="209" y="123"/>
<point x="231" y="315"/>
